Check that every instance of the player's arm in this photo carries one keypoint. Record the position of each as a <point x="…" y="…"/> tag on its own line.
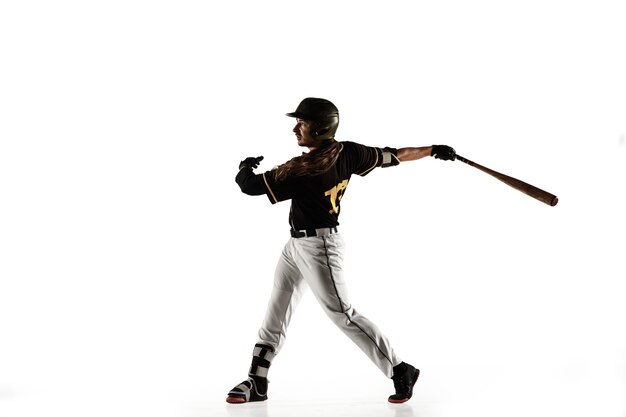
<point x="413" y="154"/>
<point x="248" y="181"/>
<point x="438" y="151"/>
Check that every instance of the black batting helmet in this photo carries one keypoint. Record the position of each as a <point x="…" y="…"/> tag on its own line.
<point x="323" y="114"/>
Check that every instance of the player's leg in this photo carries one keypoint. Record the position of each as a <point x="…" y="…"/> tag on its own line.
<point x="287" y="291"/>
<point x="285" y="296"/>
<point x="321" y="261"/>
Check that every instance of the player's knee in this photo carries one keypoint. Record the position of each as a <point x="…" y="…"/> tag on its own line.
<point x="341" y="317"/>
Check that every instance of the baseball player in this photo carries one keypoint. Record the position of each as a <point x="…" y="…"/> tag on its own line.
<point x="316" y="182"/>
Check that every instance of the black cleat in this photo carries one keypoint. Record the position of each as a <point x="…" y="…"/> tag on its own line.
<point x="250" y="390"/>
<point x="404" y="377"/>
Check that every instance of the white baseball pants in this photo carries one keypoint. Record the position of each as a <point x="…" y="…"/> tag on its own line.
<point x="317" y="262"/>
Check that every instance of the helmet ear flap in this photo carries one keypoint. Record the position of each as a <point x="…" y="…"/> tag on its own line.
<point x="325" y="129"/>
<point x="318" y="130"/>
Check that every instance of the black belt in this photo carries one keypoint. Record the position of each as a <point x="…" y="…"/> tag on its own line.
<point x="313" y="232"/>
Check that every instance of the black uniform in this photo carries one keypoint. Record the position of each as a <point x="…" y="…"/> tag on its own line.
<point x="315" y="200"/>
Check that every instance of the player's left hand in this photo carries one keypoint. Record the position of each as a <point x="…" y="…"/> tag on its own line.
<point x="251" y="162"/>
<point x="443" y="152"/>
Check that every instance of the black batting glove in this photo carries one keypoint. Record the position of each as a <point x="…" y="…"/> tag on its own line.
<point x="251" y="162"/>
<point x="443" y="152"/>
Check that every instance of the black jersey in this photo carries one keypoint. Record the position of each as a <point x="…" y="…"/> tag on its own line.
<point x="315" y="200"/>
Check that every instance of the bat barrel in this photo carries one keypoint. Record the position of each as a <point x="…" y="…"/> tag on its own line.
<point x="531" y="190"/>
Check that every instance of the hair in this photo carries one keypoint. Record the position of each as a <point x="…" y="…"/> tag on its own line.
<point x="315" y="162"/>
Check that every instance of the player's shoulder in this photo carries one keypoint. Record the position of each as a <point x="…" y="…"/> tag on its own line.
<point x="351" y="146"/>
<point x="349" y="143"/>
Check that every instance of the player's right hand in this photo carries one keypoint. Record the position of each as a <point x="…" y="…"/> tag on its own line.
<point x="251" y="162"/>
<point x="443" y="152"/>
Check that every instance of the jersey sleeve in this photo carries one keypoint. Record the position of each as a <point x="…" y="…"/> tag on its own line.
<point x="363" y="159"/>
<point x="278" y="190"/>
<point x="249" y="182"/>
<point x="259" y="184"/>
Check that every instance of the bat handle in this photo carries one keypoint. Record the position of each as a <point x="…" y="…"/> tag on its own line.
<point x="462" y="159"/>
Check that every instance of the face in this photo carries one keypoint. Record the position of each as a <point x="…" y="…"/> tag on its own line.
<point x="302" y="129"/>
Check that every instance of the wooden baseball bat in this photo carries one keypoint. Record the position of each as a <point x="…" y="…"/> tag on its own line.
<point x="531" y="190"/>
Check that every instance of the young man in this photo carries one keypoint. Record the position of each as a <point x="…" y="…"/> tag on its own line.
<point x="315" y="182"/>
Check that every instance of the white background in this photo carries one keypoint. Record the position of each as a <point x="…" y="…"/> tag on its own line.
<point x="134" y="274"/>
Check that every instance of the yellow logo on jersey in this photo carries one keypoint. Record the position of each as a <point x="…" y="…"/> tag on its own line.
<point x="335" y="195"/>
